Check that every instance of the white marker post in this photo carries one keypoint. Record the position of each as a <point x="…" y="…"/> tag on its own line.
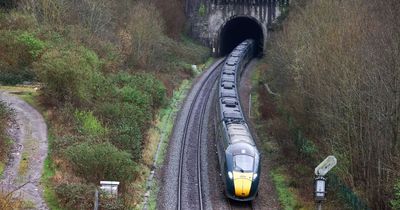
<point x="320" y="171"/>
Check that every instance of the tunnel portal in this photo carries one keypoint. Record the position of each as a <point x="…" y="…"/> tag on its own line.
<point x="237" y="30"/>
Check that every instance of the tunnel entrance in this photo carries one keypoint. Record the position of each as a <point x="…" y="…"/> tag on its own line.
<point x="237" y="30"/>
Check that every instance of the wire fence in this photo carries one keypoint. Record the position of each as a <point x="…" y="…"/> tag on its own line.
<point x="345" y="193"/>
<point x="306" y="148"/>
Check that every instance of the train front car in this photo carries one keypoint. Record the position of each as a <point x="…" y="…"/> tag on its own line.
<point x="238" y="155"/>
<point x="242" y="164"/>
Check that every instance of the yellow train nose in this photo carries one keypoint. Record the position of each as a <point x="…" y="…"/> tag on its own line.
<point x="242" y="182"/>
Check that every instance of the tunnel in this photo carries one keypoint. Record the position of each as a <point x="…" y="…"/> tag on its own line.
<point x="237" y="30"/>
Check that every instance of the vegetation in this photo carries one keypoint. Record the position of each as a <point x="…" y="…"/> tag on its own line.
<point x="335" y="65"/>
<point x="103" y="73"/>
<point x="284" y="195"/>
<point x="5" y="144"/>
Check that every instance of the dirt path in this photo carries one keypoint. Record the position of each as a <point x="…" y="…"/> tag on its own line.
<point x="30" y="150"/>
<point x="267" y="197"/>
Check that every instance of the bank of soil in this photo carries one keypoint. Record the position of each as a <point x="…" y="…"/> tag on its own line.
<point x="23" y="171"/>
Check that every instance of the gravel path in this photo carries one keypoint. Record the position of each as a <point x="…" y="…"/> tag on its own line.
<point x="29" y="152"/>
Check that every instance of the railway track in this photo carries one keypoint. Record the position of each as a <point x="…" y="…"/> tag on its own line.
<point x="234" y="205"/>
<point x="189" y="173"/>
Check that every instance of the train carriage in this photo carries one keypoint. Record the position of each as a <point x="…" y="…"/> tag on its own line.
<point x="237" y="153"/>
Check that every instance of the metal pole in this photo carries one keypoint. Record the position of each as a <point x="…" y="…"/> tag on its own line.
<point x="250" y="106"/>
<point x="96" y="200"/>
<point x="319" y="205"/>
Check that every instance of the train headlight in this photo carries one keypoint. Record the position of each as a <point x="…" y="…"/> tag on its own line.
<point x="230" y="175"/>
<point x="255" y="176"/>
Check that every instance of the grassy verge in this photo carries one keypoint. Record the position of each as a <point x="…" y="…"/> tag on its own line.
<point x="163" y="128"/>
<point x="48" y="173"/>
<point x="285" y="193"/>
<point x="166" y="121"/>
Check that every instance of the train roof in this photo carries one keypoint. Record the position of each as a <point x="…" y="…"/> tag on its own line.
<point x="242" y="148"/>
<point x="228" y="85"/>
<point x="236" y="53"/>
<point x="228" y="72"/>
<point x="239" y="133"/>
<point x="229" y="68"/>
<point x="232" y="61"/>
<point x="230" y="110"/>
<point x="227" y="78"/>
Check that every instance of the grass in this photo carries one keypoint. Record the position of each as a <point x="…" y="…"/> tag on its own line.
<point x="285" y="194"/>
<point x="161" y="132"/>
<point x="2" y="166"/>
<point x="48" y="190"/>
<point x="24" y="163"/>
<point x="165" y="125"/>
<point x="28" y="204"/>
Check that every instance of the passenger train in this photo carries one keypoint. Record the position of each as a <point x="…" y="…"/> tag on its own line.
<point x="238" y="156"/>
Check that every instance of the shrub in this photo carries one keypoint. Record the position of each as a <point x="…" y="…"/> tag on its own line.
<point x="101" y="162"/>
<point x="76" y="196"/>
<point x="15" y="56"/>
<point x="35" y="46"/>
<point x="145" y="83"/>
<point x="395" y="202"/>
<point x="129" y="108"/>
<point x="4" y="142"/>
<point x="71" y="75"/>
<point x="127" y="136"/>
<point x="88" y="124"/>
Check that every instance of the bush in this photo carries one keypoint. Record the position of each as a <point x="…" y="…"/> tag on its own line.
<point x="88" y="124"/>
<point x="101" y="162"/>
<point x="71" y="75"/>
<point x="129" y="108"/>
<point x="17" y="52"/>
<point x="395" y="202"/>
<point x="76" y="196"/>
<point x="35" y="46"/>
<point x="146" y="83"/>
<point x="4" y="139"/>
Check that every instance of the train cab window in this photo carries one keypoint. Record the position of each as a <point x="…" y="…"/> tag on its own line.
<point x="243" y="163"/>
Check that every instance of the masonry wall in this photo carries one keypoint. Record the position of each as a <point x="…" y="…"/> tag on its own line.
<point x="207" y="17"/>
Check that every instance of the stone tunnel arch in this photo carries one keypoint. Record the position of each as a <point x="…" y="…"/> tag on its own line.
<point x="237" y="29"/>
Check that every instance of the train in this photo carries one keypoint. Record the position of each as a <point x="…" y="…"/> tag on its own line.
<point x="238" y="156"/>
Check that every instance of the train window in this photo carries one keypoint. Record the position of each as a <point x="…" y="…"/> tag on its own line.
<point x="243" y="163"/>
